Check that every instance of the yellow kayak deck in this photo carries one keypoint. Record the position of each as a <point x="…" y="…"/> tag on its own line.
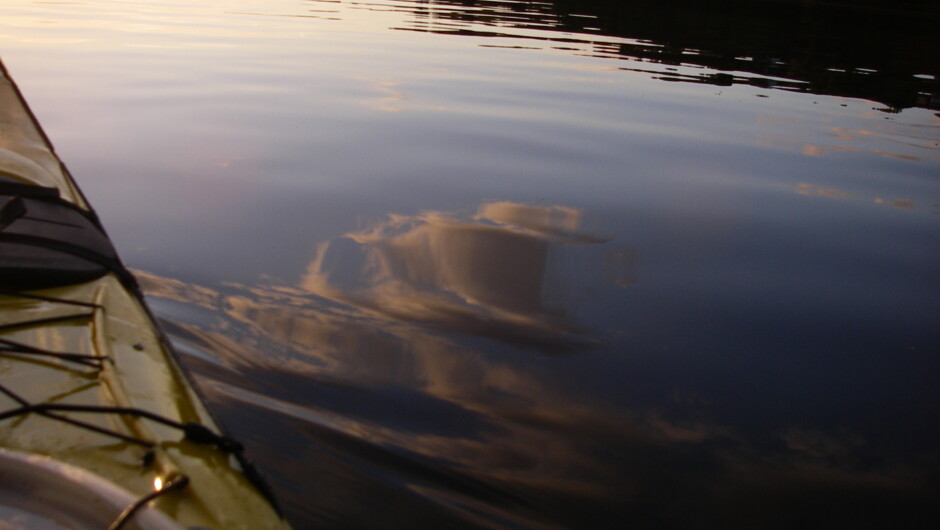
<point x="86" y="379"/>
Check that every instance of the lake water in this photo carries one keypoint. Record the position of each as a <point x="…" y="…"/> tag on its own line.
<point x="479" y="263"/>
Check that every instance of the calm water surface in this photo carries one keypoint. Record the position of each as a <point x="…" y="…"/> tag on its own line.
<point x="529" y="264"/>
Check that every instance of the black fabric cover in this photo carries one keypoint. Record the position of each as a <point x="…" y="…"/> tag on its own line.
<point x="47" y="242"/>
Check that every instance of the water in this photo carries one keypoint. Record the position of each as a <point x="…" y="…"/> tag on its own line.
<point x="529" y="264"/>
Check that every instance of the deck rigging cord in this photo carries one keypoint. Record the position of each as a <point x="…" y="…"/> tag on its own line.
<point x="192" y="431"/>
<point x="174" y="484"/>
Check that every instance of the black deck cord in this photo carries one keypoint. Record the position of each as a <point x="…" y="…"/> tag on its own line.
<point x="192" y="431"/>
<point x="176" y="483"/>
<point x="26" y="407"/>
<point x="33" y="296"/>
<point x="8" y="346"/>
<point x="42" y="321"/>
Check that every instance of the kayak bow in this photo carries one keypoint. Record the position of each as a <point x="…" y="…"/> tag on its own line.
<point x="99" y="426"/>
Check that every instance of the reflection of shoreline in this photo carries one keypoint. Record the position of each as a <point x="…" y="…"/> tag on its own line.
<point x="882" y="51"/>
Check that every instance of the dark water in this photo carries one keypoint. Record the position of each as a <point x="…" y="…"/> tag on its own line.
<point x="530" y="264"/>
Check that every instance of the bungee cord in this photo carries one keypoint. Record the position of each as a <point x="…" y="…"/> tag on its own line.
<point x="192" y="431"/>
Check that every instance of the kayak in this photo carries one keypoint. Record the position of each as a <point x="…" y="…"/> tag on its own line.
<point x="99" y="425"/>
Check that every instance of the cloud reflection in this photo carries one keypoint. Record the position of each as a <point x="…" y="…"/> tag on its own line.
<point x="484" y="275"/>
<point x="812" y="190"/>
<point x="901" y="204"/>
<point x="372" y="370"/>
<point x="804" y="188"/>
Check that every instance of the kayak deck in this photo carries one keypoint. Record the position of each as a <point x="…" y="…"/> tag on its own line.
<point x="86" y="379"/>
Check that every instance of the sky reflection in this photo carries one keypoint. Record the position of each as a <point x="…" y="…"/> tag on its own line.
<point x="466" y="263"/>
<point x="455" y="423"/>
